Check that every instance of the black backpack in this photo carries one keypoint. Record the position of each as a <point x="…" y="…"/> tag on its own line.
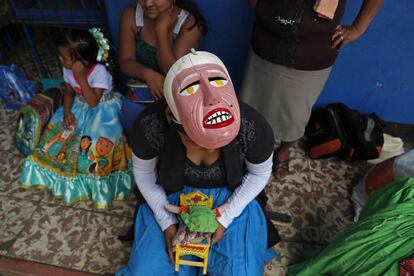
<point x="336" y="130"/>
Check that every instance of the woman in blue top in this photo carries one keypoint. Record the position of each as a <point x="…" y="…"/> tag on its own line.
<point x="154" y="34"/>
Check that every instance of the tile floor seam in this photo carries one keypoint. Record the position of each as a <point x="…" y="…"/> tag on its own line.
<point x="84" y="230"/>
<point x="25" y="199"/>
<point x="84" y="209"/>
<point x="304" y="242"/>
<point x="21" y="231"/>
<point x="48" y="193"/>
<point x="308" y="168"/>
<point x="47" y="264"/>
<point x="93" y="239"/>
<point x="82" y="235"/>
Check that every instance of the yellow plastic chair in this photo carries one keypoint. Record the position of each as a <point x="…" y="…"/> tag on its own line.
<point x="199" y="250"/>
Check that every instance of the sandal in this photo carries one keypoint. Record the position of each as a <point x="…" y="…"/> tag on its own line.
<point x="280" y="217"/>
<point x="129" y="236"/>
<point x="280" y="168"/>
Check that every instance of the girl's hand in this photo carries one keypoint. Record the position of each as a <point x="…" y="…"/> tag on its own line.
<point x="218" y="235"/>
<point x="79" y="69"/>
<point x="169" y="234"/>
<point x="155" y="83"/>
<point x="343" y="35"/>
<point x="167" y="19"/>
<point x="69" y="120"/>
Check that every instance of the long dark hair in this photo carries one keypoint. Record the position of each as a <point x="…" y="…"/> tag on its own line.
<point x="90" y="140"/>
<point x="193" y="9"/>
<point x="82" y="45"/>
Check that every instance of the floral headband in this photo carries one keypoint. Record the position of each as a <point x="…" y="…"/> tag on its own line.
<point x="103" y="43"/>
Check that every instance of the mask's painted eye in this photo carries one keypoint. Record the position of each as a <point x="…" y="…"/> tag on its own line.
<point x="190" y="89"/>
<point x="218" y="81"/>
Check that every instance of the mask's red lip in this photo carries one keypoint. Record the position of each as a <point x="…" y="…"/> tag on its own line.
<point x="218" y="118"/>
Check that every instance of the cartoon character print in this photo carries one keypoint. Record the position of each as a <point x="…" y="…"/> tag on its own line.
<point x="119" y="158"/>
<point x="61" y="156"/>
<point x="83" y="157"/>
<point x="99" y="158"/>
<point x="25" y="133"/>
<point x="55" y="145"/>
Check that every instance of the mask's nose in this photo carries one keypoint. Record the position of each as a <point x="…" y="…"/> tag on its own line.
<point x="210" y="95"/>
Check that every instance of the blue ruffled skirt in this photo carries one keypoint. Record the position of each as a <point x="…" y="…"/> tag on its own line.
<point x="91" y="161"/>
<point x="242" y="250"/>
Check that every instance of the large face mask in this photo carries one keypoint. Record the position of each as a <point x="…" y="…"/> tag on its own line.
<point x="201" y="97"/>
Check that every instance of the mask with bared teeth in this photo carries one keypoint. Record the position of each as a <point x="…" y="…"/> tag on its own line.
<point x="201" y="96"/>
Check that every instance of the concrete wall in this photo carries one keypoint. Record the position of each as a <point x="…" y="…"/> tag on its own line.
<point x="375" y="73"/>
<point x="229" y="23"/>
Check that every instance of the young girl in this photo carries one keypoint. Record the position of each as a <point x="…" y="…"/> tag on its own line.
<point x="86" y="130"/>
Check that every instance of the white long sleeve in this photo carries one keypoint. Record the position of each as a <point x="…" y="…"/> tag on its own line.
<point x="253" y="183"/>
<point x="154" y="194"/>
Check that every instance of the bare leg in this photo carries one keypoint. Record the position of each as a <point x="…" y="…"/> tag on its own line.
<point x="281" y="155"/>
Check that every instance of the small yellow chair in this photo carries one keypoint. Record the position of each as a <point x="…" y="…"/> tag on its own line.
<point x="199" y="250"/>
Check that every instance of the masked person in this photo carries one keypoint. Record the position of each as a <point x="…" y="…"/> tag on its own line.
<point x="201" y="138"/>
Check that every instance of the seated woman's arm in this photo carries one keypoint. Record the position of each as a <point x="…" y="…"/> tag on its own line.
<point x="168" y="51"/>
<point x="127" y="55"/>
<point x="145" y="177"/>
<point x="253" y="183"/>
